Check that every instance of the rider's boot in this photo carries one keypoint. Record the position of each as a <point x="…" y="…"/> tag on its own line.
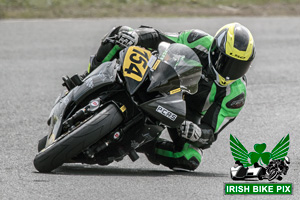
<point x="185" y="158"/>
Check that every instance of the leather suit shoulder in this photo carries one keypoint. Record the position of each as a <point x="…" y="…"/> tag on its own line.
<point x="195" y="35"/>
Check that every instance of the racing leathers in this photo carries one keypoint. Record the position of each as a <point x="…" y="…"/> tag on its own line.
<point x="209" y="111"/>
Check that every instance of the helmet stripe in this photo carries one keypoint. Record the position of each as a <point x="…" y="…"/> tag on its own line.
<point x="232" y="51"/>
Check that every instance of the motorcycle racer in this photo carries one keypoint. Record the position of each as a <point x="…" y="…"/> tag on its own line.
<point x="221" y="95"/>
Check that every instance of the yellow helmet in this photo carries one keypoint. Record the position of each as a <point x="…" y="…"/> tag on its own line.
<point x="231" y="53"/>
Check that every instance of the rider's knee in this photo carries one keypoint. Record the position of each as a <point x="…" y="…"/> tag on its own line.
<point x="189" y="158"/>
<point x="187" y="164"/>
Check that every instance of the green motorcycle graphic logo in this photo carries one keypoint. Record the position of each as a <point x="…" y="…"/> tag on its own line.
<point x="240" y="153"/>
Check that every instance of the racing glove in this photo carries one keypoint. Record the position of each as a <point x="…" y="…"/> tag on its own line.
<point x="190" y="131"/>
<point x="127" y="38"/>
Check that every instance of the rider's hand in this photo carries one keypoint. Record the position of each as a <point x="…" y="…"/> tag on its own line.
<point x="127" y="38"/>
<point x="190" y="131"/>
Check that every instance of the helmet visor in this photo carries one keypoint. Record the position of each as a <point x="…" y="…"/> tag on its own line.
<point x="228" y="67"/>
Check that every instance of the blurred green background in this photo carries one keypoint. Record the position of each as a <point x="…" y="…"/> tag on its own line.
<point x="144" y="8"/>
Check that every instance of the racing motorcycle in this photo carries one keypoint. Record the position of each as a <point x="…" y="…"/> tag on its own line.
<point x="119" y="107"/>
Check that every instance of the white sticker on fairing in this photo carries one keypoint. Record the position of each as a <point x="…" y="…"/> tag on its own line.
<point x="90" y="83"/>
<point x="166" y="113"/>
<point x="151" y="62"/>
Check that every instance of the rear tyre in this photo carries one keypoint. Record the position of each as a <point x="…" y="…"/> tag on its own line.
<point x="75" y="142"/>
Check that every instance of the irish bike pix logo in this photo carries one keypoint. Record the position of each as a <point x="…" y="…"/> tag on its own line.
<point x="260" y="164"/>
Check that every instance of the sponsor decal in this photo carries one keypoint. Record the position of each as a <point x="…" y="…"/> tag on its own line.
<point x="123" y="108"/>
<point x="240" y="57"/>
<point x="95" y="103"/>
<point x="175" y="91"/>
<point x="237" y="102"/>
<point x="90" y="83"/>
<point x="117" y="135"/>
<point x="155" y="65"/>
<point x="165" y="112"/>
<point x="66" y="100"/>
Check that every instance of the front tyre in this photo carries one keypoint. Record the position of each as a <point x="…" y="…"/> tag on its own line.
<point x="75" y="142"/>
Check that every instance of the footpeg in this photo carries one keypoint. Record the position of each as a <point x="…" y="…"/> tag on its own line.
<point x="133" y="155"/>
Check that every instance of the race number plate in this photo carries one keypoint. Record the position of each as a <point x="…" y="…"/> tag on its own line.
<point x="135" y="63"/>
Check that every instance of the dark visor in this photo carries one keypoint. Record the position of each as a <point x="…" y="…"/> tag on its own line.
<point x="228" y="67"/>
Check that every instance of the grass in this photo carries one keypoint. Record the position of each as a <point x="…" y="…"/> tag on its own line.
<point x="143" y="8"/>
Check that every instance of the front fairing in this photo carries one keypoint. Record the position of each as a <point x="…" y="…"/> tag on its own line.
<point x="169" y="109"/>
<point x="102" y="76"/>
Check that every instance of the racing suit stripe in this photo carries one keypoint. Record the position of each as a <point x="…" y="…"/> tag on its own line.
<point x="172" y="37"/>
<point x="210" y="99"/>
<point x="188" y="152"/>
<point x="200" y="44"/>
<point x="112" y="53"/>
<point x="219" y="114"/>
<point x="94" y="63"/>
<point x="228" y="114"/>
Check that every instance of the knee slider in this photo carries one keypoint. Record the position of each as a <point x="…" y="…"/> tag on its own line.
<point x="190" y="164"/>
<point x="191" y="158"/>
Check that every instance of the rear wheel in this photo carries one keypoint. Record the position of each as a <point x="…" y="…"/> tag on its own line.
<point x="70" y="145"/>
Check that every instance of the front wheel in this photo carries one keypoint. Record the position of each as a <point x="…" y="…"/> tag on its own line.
<point x="75" y="142"/>
<point x="273" y="174"/>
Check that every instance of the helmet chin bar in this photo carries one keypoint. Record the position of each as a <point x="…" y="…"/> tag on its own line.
<point x="222" y="82"/>
<point x="219" y="80"/>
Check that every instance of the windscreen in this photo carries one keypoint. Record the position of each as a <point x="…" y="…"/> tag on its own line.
<point x="186" y="64"/>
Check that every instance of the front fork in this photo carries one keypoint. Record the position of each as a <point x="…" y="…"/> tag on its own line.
<point x="82" y="114"/>
<point x="115" y="137"/>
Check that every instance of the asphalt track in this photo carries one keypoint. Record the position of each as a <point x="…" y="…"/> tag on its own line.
<point x="34" y="54"/>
